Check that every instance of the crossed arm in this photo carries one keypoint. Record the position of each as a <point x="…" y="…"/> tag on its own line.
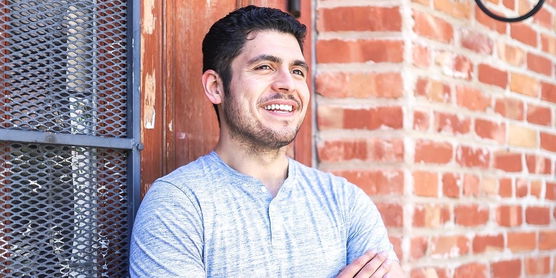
<point x="373" y="265"/>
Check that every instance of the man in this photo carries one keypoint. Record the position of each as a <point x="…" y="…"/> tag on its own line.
<point x="246" y="209"/>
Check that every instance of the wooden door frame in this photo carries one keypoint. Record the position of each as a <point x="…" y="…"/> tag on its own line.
<point x="154" y="95"/>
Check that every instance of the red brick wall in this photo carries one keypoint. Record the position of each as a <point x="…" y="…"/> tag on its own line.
<point x="447" y="119"/>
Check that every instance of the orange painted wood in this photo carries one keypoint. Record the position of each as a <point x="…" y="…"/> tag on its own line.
<point x="179" y="123"/>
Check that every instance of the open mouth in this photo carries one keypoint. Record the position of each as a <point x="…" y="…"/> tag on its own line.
<point x="284" y="108"/>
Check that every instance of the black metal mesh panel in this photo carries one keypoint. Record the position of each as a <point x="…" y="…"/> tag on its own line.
<point x="63" y="66"/>
<point x="64" y="211"/>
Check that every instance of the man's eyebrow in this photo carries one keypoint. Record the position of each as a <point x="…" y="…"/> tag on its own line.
<point x="300" y="63"/>
<point x="274" y="59"/>
<point x="264" y="57"/>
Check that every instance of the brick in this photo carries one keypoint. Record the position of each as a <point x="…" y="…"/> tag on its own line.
<point x="547" y="240"/>
<point x="538" y="164"/>
<point x="506" y="269"/>
<point x="535" y="189"/>
<point x="359" y="85"/>
<point x="453" y="65"/>
<point x="373" y="149"/>
<point x="490" y="130"/>
<point x="433" y="152"/>
<point x="493" y="76"/>
<point x="449" y="246"/>
<point x="550" y="191"/>
<point x="385" y="149"/>
<point x="523" y="33"/>
<point x="548" y="44"/>
<point x="376" y="182"/>
<point x="489" y="22"/>
<point x="510" y="4"/>
<point x="537" y="114"/>
<point x="472" y="99"/>
<point x="432" y="27"/>
<point x="548" y="92"/>
<point x="475" y="270"/>
<point x="521" y="188"/>
<point x="429" y="272"/>
<point x="359" y="51"/>
<point x="451" y="123"/>
<point x="488" y="243"/>
<point x="463" y="67"/>
<point x="430" y="216"/>
<point x="362" y="18"/>
<point x="476" y="41"/>
<point x="421" y="56"/>
<point x="548" y="141"/>
<point x="375" y="118"/>
<point x="425" y="184"/>
<point x="508" y="161"/>
<point x="521" y="136"/>
<point x="433" y="90"/>
<point x="511" y="108"/>
<point x="471" y="185"/>
<point x="473" y="157"/>
<point x="391" y="213"/>
<point x="537" y="266"/>
<point x="508" y="216"/>
<point x="543" y="18"/>
<point x="512" y="55"/>
<point x="539" y="64"/>
<point x="470" y="215"/>
<point x="330" y="117"/>
<point x="505" y="188"/>
<point x="370" y="119"/>
<point x="453" y="8"/>
<point x="524" y="84"/>
<point x="341" y="150"/>
<point x="421" y="120"/>
<point x="419" y="247"/>
<point x="537" y="215"/>
<point x="451" y="185"/>
<point x="521" y="241"/>
<point x="488" y="186"/>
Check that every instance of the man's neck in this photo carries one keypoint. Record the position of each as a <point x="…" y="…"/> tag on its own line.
<point x="270" y="166"/>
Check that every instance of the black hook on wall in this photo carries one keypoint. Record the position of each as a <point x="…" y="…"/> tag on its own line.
<point x="510" y="19"/>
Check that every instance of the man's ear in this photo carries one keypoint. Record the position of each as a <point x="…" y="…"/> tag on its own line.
<point x="213" y="86"/>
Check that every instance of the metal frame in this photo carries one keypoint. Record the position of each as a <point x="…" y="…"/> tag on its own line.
<point x="132" y="142"/>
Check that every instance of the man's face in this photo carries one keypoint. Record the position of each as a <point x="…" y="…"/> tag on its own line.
<point x="268" y="94"/>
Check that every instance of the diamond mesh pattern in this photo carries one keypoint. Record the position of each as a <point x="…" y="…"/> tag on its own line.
<point x="64" y="211"/>
<point x="63" y="66"/>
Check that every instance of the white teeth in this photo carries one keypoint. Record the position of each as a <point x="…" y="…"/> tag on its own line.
<point x="279" y="107"/>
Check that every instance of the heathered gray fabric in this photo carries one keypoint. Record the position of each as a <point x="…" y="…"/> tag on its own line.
<point x="207" y="220"/>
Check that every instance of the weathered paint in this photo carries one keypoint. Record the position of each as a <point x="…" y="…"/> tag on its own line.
<point x="149" y="19"/>
<point x="149" y="112"/>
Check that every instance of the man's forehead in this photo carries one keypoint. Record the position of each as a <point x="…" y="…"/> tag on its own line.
<point x="272" y="43"/>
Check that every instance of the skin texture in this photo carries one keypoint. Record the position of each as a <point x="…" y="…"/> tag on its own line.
<point x="271" y="70"/>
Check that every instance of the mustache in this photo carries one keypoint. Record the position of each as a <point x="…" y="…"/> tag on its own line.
<point x="279" y="96"/>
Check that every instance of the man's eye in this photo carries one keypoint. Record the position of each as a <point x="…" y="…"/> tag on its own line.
<point x="299" y="72"/>
<point x="263" y="67"/>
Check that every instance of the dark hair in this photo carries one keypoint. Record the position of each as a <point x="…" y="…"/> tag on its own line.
<point x="226" y="37"/>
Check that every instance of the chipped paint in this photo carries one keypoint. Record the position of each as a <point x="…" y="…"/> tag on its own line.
<point x="149" y="115"/>
<point x="149" y="20"/>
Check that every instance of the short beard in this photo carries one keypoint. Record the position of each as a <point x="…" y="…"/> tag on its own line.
<point x="253" y="135"/>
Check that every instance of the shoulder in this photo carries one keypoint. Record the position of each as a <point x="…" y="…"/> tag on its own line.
<point x="192" y="176"/>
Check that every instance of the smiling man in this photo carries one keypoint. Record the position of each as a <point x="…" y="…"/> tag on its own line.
<point x="246" y="209"/>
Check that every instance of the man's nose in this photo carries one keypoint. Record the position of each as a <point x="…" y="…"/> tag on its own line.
<point x="283" y="81"/>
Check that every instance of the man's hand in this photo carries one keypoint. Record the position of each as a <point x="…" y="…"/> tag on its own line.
<point x="370" y="265"/>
